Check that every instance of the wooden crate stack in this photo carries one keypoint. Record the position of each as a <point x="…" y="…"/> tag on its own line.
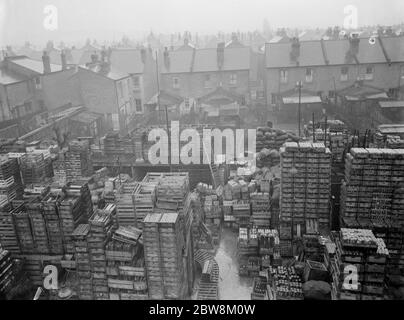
<point x="144" y="200"/>
<point x="242" y="212"/>
<point x="54" y="230"/>
<point x="33" y="168"/>
<point x="80" y="188"/>
<point x="260" y="208"/>
<point x="125" y="265"/>
<point x="8" y="235"/>
<point x="163" y="244"/>
<point x="23" y="227"/>
<point x="101" y="227"/>
<point x="172" y="190"/>
<point x="38" y="224"/>
<point x="305" y="186"/>
<point x="359" y="249"/>
<point x="373" y="185"/>
<point x="116" y="145"/>
<point x="71" y="214"/>
<point x="10" y="178"/>
<point x="6" y="271"/>
<point x="83" y="262"/>
<point x="124" y="204"/>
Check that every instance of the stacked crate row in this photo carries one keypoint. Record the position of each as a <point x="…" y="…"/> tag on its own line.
<point x="373" y="185"/>
<point x="54" y="230"/>
<point x="6" y="271"/>
<point x="33" y="168"/>
<point x="83" y="262"/>
<point x="286" y="284"/>
<point x="305" y="188"/>
<point x="163" y="245"/>
<point x="101" y="227"/>
<point x="124" y="202"/>
<point x="38" y="226"/>
<point x="22" y="226"/>
<point x="80" y="188"/>
<point x="335" y="141"/>
<point x="115" y="145"/>
<point x="125" y="265"/>
<point x="260" y="208"/>
<point x="144" y="200"/>
<point x="11" y="186"/>
<point x="358" y="270"/>
<point x="172" y="191"/>
<point x="8" y="235"/>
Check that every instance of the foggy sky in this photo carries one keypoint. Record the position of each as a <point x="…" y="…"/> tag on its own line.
<point x="22" y="20"/>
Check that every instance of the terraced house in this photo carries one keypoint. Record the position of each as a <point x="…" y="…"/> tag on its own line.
<point x="351" y="69"/>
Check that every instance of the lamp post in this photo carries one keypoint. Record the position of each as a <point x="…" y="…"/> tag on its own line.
<point x="299" y="86"/>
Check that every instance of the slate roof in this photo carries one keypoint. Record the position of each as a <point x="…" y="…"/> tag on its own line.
<point x="33" y="65"/>
<point x="127" y="60"/>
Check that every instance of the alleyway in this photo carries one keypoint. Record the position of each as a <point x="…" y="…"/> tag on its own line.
<point x="231" y="286"/>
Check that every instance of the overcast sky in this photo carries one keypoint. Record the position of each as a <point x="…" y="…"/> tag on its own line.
<point x="22" y="20"/>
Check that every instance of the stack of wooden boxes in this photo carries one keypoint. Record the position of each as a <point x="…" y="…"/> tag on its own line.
<point x="124" y="204"/>
<point x="260" y="208"/>
<point x="8" y="235"/>
<point x="54" y="230"/>
<point x="23" y="227"/>
<point x="11" y="186"/>
<point x="359" y="252"/>
<point x="101" y="226"/>
<point x="163" y="244"/>
<point x="33" y="168"/>
<point x="83" y="262"/>
<point x="125" y="265"/>
<point x="305" y="188"/>
<point x="38" y="225"/>
<point x="172" y="191"/>
<point x="144" y="200"/>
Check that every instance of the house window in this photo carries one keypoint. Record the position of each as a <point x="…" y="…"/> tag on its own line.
<point x="233" y="79"/>
<point x="176" y="83"/>
<point x="260" y="94"/>
<point x="253" y="94"/>
<point x="309" y="75"/>
<point x="38" y="84"/>
<point x="120" y="90"/>
<point x="344" y="74"/>
<point x="139" y="106"/>
<point x="284" y="76"/>
<point x="207" y="81"/>
<point x="369" y="73"/>
<point x="273" y="99"/>
<point x="136" y="82"/>
<point x="402" y="72"/>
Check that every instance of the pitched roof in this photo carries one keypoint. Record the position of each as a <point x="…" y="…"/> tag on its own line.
<point x="9" y="77"/>
<point x="180" y="62"/>
<point x="110" y="73"/>
<point x="127" y="60"/>
<point x="278" y="54"/>
<point x="234" y="59"/>
<point x="33" y="65"/>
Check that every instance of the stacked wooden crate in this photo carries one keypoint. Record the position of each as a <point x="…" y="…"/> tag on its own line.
<point x="163" y="244"/>
<point x="38" y="224"/>
<point x="54" y="230"/>
<point x="260" y="208"/>
<point x="373" y="185"/>
<point x="80" y="188"/>
<point x="124" y="204"/>
<point x="33" y="168"/>
<point x="359" y="252"/>
<point x="305" y="186"/>
<point x="71" y="214"/>
<point x="8" y="235"/>
<point x="101" y="226"/>
<point x="144" y="200"/>
<point x="116" y="145"/>
<point x="10" y="178"/>
<point x="172" y="190"/>
<point x="125" y="265"/>
<point x="83" y="262"/>
<point x="22" y="225"/>
<point x="6" y="271"/>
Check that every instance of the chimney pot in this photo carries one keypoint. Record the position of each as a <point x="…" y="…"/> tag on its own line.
<point x="46" y="63"/>
<point x="63" y="59"/>
<point x="220" y="55"/>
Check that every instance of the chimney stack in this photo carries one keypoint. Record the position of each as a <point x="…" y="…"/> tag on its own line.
<point x="46" y="63"/>
<point x="143" y="55"/>
<point x="354" y="45"/>
<point x="103" y="55"/>
<point x="186" y="41"/>
<point x="220" y="55"/>
<point x="166" y="58"/>
<point x="295" y="52"/>
<point x="63" y="59"/>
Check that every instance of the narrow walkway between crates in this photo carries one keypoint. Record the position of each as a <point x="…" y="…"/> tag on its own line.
<point x="231" y="286"/>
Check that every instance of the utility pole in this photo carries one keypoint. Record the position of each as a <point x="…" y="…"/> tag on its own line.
<point x="299" y="114"/>
<point x="166" y="110"/>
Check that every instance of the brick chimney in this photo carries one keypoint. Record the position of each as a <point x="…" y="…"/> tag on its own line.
<point x="94" y="57"/>
<point x="166" y="58"/>
<point x="103" y="55"/>
<point x="220" y="55"/>
<point x="63" y="59"/>
<point x="295" y="51"/>
<point x="46" y="63"/>
<point x="143" y="55"/>
<point x="354" y="45"/>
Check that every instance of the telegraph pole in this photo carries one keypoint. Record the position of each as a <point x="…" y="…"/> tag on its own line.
<point x="166" y="111"/>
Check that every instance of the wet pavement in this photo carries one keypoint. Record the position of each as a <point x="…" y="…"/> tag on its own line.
<point x="231" y="286"/>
